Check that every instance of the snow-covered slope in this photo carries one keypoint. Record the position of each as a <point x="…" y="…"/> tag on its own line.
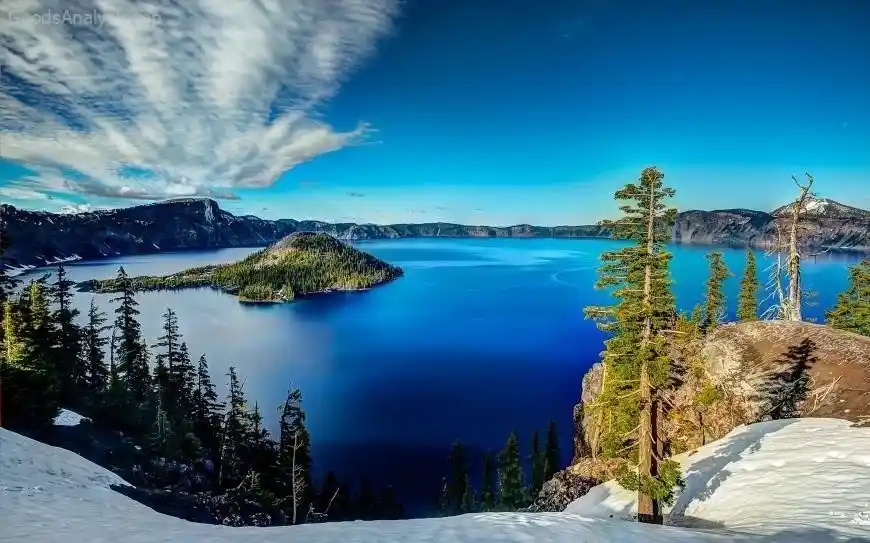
<point x="801" y="479"/>
<point x="791" y="482"/>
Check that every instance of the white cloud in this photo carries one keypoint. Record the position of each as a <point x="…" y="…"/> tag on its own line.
<point x="184" y="90"/>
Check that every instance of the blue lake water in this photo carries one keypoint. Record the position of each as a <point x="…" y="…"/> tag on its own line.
<point x="480" y="337"/>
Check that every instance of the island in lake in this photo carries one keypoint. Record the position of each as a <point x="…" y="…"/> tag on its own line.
<point x="300" y="264"/>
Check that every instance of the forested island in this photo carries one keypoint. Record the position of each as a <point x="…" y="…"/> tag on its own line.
<point x="300" y="264"/>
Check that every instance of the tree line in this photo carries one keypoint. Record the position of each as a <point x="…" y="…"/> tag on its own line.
<point x="165" y="398"/>
<point x="503" y="482"/>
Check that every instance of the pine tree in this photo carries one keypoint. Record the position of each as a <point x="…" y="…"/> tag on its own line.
<point x="852" y="311"/>
<point x="487" y="491"/>
<point x="510" y="476"/>
<point x="130" y="356"/>
<point x="31" y="384"/>
<point x="8" y="283"/>
<point x="93" y="351"/>
<point x="552" y="454"/>
<point x="714" y="304"/>
<point x="636" y="361"/>
<point x="184" y="381"/>
<point x="70" y="364"/>
<point x="458" y="479"/>
<point x="207" y="407"/>
<point x="294" y="451"/>
<point x="747" y="302"/>
<point x="166" y="358"/>
<point x="235" y="433"/>
<point x="538" y="464"/>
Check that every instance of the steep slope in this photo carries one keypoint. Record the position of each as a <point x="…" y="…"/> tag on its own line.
<point x="40" y="238"/>
<point x="300" y="264"/>
<point x="796" y="480"/>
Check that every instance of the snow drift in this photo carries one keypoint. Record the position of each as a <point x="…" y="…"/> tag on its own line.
<point x="785" y="481"/>
<point x="804" y="479"/>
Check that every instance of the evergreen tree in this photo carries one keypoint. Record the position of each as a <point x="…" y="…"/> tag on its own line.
<point x="388" y="506"/>
<point x="714" y="304"/>
<point x="457" y="480"/>
<point x="747" y="302"/>
<point x="366" y="505"/>
<point x="488" y="496"/>
<point x="166" y="358"/>
<point x="8" y="283"/>
<point x="538" y="464"/>
<point x="510" y="476"/>
<point x="328" y="502"/>
<point x="235" y="434"/>
<point x="31" y="384"/>
<point x="93" y="351"/>
<point x="637" y="363"/>
<point x="131" y="358"/>
<point x="294" y="450"/>
<point x="852" y="311"/>
<point x="70" y="364"/>
<point x="207" y="407"/>
<point x="552" y="454"/>
<point x="184" y="380"/>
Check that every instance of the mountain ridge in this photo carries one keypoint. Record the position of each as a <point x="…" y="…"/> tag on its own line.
<point x="200" y="223"/>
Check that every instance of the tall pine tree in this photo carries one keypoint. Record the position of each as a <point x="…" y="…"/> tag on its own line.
<point x="235" y="434"/>
<point x="94" y="351"/>
<point x="70" y="365"/>
<point x="511" y="490"/>
<point x="457" y="481"/>
<point x="488" y="493"/>
<point x="636" y="361"/>
<point x="852" y="311"/>
<point x="207" y="407"/>
<point x="714" y="303"/>
<point x="538" y="464"/>
<point x="130" y="356"/>
<point x="747" y="302"/>
<point x="294" y="452"/>
<point x="552" y="454"/>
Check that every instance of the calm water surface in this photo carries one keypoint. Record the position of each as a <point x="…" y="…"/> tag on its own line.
<point x="480" y="337"/>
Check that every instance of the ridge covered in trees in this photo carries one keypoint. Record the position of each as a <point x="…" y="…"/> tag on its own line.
<point x="298" y="265"/>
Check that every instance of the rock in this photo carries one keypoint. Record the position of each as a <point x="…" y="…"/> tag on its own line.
<point x="565" y="487"/>
<point x="585" y="433"/>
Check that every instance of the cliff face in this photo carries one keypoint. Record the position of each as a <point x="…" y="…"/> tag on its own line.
<point x="37" y="238"/>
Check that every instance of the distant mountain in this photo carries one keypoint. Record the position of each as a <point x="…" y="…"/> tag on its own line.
<point x="38" y="238"/>
<point x="824" y="208"/>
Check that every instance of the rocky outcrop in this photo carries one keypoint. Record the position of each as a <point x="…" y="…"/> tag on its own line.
<point x="761" y="370"/>
<point x="38" y="238"/>
<point x="565" y="487"/>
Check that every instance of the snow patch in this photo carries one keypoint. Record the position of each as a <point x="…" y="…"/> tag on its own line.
<point x="806" y="477"/>
<point x="68" y="418"/>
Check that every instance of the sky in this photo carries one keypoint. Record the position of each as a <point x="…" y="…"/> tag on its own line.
<point x="474" y="111"/>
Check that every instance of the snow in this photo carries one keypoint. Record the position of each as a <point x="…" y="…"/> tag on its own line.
<point x="786" y="481"/>
<point x="806" y="477"/>
<point x="13" y="271"/>
<point x="68" y="418"/>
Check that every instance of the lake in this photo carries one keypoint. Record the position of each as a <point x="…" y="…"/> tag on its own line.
<point x="480" y="337"/>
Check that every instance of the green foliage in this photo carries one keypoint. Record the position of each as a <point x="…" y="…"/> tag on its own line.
<point x="538" y="466"/>
<point x="510" y="476"/>
<point x="637" y="362"/>
<point x="298" y="265"/>
<point x="852" y="311"/>
<point x="488" y="495"/>
<point x="552" y="455"/>
<point x="708" y="395"/>
<point x="661" y="488"/>
<point x="715" y="302"/>
<point x="747" y="301"/>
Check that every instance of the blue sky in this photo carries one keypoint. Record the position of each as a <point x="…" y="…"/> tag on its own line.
<point x="488" y="112"/>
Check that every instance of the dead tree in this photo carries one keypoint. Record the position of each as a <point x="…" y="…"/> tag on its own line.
<point x="794" y="256"/>
<point x="298" y="477"/>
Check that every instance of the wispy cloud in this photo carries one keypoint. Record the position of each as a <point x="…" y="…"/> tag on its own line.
<point x="165" y="98"/>
<point x="356" y="194"/>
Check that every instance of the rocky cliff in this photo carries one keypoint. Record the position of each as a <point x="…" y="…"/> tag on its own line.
<point x="39" y="238"/>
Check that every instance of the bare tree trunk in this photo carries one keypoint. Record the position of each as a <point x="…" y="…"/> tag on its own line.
<point x="794" y="257"/>
<point x="648" y="509"/>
